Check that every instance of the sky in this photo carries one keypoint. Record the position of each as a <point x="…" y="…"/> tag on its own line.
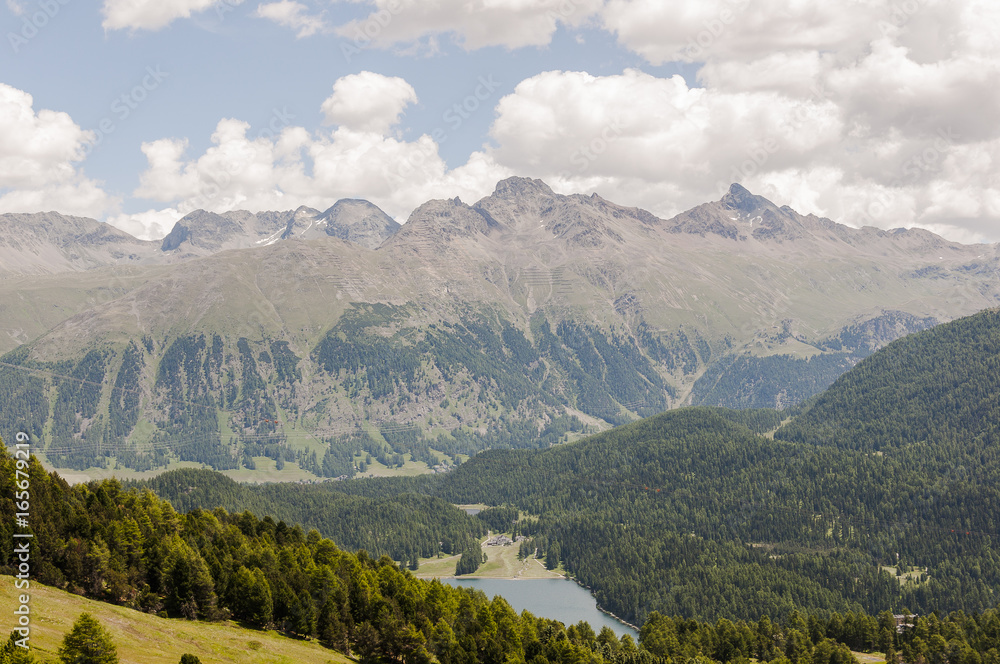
<point x="136" y="112"/>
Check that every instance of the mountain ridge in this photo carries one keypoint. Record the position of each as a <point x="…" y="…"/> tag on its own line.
<point x="201" y="233"/>
<point x="612" y="313"/>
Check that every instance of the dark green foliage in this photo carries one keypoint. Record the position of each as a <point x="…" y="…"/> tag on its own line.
<point x="24" y="404"/>
<point x="931" y="394"/>
<point x="190" y="659"/>
<point x="379" y="363"/>
<point x="286" y="363"/>
<point x="396" y="526"/>
<point x="657" y="515"/>
<point x="608" y="372"/>
<point x="499" y="519"/>
<point x="78" y="432"/>
<point x="126" y="395"/>
<point x="362" y="605"/>
<point x="373" y="352"/>
<point x="12" y="653"/>
<point x="186" y="381"/>
<point x="248" y="597"/>
<point x="88" y="642"/>
<point x="747" y="381"/>
<point x="472" y="558"/>
<point x="186" y="583"/>
<point x="270" y="574"/>
<point x="758" y="420"/>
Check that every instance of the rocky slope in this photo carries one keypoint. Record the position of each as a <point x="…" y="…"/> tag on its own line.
<point x="512" y="321"/>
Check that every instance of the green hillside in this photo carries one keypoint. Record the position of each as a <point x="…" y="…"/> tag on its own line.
<point x="882" y="495"/>
<point x="142" y="638"/>
<point x="404" y="527"/>
<point x="929" y="396"/>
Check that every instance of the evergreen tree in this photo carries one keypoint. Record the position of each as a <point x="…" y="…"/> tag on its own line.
<point x="12" y="653"/>
<point x="249" y="597"/>
<point x="88" y="643"/>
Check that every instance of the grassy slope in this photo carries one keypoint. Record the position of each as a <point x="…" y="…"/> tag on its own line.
<point x="145" y="639"/>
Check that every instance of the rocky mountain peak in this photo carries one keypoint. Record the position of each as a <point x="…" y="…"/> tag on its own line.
<point x="359" y="221"/>
<point x="740" y="199"/>
<point x="518" y="187"/>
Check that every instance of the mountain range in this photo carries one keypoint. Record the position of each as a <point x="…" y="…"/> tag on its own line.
<point x="517" y="321"/>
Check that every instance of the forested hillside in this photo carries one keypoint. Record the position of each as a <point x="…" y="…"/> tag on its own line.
<point x="931" y="396"/>
<point x="133" y="549"/>
<point x="882" y="494"/>
<point x="404" y="527"/>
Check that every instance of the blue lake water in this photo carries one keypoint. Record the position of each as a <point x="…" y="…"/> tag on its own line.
<point x="559" y="599"/>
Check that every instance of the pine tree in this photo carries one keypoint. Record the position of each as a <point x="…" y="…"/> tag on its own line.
<point x="88" y="643"/>
<point x="12" y="653"/>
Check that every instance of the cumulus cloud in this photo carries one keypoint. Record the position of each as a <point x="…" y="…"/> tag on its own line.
<point x="834" y="143"/>
<point x="294" y="15"/>
<point x="257" y="171"/>
<point x="368" y="102"/>
<point x="867" y="111"/>
<point x="151" y="14"/>
<point x="701" y="30"/>
<point x="148" y="225"/>
<point x="39" y="153"/>
<point x="474" y="23"/>
<point x="635" y="131"/>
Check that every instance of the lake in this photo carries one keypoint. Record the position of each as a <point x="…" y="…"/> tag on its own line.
<point x="559" y="599"/>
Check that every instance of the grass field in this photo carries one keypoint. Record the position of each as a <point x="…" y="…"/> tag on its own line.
<point x="410" y="468"/>
<point x="502" y="563"/>
<point x="911" y="577"/>
<point x="145" y="639"/>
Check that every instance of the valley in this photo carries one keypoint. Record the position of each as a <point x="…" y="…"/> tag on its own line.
<point x="875" y="498"/>
<point x="500" y="332"/>
<point x="291" y="346"/>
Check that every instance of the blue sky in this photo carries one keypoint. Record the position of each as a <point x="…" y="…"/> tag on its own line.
<point x="132" y="111"/>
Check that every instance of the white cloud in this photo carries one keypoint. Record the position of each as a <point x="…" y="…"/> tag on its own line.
<point x="868" y="111"/>
<point x="700" y="30"/>
<point x="635" y="131"/>
<point x="660" y="144"/>
<point x="149" y="225"/>
<point x="294" y="15"/>
<point x="368" y="102"/>
<point x="38" y="157"/>
<point x="297" y="167"/>
<point x="152" y="14"/>
<point x="475" y="23"/>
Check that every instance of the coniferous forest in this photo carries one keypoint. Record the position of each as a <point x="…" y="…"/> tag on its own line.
<point x="728" y="535"/>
